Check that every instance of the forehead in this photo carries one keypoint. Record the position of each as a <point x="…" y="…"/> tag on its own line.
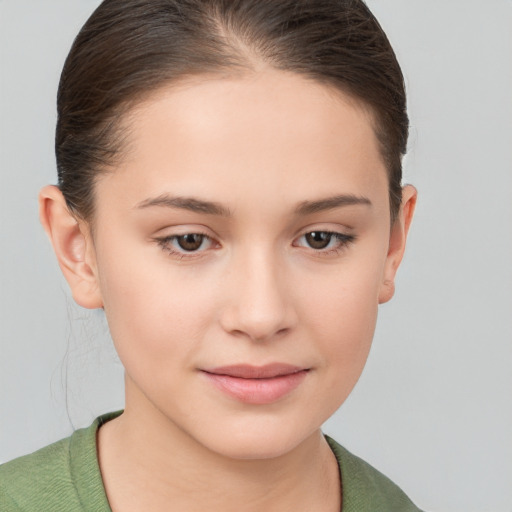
<point x="268" y="134"/>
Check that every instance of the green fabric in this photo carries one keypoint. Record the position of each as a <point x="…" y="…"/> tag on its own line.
<point x="65" y="477"/>
<point x="364" y="488"/>
<point x="62" y="477"/>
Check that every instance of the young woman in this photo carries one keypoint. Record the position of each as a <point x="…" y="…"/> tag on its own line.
<point x="230" y="194"/>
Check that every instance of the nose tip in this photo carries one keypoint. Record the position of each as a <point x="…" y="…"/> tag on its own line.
<point x="259" y="330"/>
<point x="259" y="308"/>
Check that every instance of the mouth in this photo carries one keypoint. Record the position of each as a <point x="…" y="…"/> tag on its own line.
<point x="256" y="385"/>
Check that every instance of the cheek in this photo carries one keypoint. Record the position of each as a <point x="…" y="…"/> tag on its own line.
<point x="345" y="296"/>
<point x="156" y="315"/>
<point x="346" y="316"/>
<point x="342" y="311"/>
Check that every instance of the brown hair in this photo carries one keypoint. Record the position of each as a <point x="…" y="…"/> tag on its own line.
<point x="129" y="48"/>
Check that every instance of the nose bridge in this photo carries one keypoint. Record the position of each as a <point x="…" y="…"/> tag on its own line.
<point x="259" y="306"/>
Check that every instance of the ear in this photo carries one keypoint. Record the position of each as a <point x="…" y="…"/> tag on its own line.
<point x="397" y="239"/>
<point x="73" y="247"/>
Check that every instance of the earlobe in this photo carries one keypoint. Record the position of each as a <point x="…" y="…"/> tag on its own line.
<point x="71" y="242"/>
<point x="397" y="242"/>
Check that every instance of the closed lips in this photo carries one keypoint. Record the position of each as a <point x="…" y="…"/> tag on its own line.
<point x="256" y="372"/>
<point x="256" y="385"/>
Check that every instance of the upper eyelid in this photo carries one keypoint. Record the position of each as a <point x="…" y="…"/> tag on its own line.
<point x="207" y="233"/>
<point x="185" y="229"/>
<point x="326" y="226"/>
<point x="166" y="234"/>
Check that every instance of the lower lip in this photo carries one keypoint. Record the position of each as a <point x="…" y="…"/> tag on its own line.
<point x="257" y="391"/>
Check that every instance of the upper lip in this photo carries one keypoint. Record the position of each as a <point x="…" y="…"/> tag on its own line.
<point x="248" y="371"/>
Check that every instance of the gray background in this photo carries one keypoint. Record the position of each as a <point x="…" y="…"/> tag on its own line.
<point x="433" y="409"/>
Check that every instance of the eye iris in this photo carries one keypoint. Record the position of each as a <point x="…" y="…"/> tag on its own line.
<point x="318" y="239"/>
<point x="190" y="242"/>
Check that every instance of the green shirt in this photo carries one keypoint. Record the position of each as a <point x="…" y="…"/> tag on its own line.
<point x="65" y="477"/>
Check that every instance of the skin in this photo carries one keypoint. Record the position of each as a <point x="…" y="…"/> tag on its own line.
<point x="256" y="291"/>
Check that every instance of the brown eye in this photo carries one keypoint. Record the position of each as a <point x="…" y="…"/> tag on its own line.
<point x="318" y="239"/>
<point x="189" y="245"/>
<point x="190" y="241"/>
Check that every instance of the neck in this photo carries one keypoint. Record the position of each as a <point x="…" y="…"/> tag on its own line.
<point x="147" y="462"/>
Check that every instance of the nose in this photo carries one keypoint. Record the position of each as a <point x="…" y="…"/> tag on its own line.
<point x="260" y="302"/>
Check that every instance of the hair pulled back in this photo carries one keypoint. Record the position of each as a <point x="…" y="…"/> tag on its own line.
<point x="129" y="48"/>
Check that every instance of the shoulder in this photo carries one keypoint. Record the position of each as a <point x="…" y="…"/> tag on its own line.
<point x="365" y="488"/>
<point x="62" y="477"/>
<point x="30" y="481"/>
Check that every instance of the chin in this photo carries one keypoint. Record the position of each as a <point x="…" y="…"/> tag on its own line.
<point x="257" y="440"/>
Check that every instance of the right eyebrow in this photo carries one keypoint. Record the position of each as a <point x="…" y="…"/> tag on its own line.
<point x="186" y="203"/>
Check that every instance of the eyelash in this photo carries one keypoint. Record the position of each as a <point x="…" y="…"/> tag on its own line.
<point x="343" y="240"/>
<point x="166" y="244"/>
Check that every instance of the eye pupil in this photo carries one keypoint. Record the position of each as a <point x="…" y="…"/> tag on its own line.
<point x="318" y="239"/>
<point x="190" y="241"/>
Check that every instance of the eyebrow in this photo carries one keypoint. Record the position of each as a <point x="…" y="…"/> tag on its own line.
<point x="186" y="203"/>
<point x="211" y="208"/>
<point x="309" y="207"/>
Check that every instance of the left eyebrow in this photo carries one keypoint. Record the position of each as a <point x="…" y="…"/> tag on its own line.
<point x="329" y="203"/>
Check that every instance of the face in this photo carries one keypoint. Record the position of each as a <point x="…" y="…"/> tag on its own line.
<point x="241" y="249"/>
